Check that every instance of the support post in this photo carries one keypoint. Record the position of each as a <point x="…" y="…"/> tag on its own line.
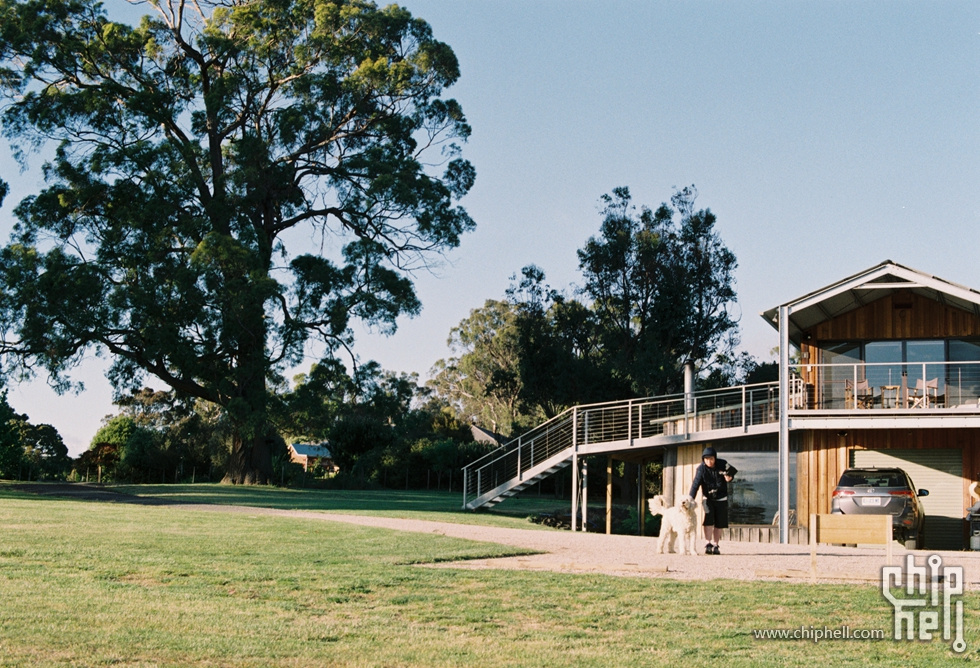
<point x="784" y="424"/>
<point x="688" y="398"/>
<point x="520" y="471"/>
<point x="609" y="493"/>
<point x="574" y="469"/>
<point x="575" y="492"/>
<point x="585" y="495"/>
<point x="641" y="494"/>
<point x="629" y="423"/>
<point x="745" y="426"/>
<point x="669" y="472"/>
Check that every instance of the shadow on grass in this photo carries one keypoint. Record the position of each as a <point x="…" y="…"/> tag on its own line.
<point x="437" y="505"/>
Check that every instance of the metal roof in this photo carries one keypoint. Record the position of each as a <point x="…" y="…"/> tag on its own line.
<point x="310" y="450"/>
<point x="865" y="287"/>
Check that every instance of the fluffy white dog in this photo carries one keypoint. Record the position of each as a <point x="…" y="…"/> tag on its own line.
<point x="678" y="521"/>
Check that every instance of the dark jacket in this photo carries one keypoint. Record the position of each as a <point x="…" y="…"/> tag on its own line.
<point x="711" y="481"/>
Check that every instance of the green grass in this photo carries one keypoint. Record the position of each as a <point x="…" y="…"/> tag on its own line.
<point x="425" y="505"/>
<point x="93" y="584"/>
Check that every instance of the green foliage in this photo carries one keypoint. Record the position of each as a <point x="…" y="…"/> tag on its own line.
<point x="11" y="450"/>
<point x="35" y="452"/>
<point x="116" y="431"/>
<point x="484" y="381"/>
<point x="186" y="148"/>
<point x="159" y="437"/>
<point x="660" y="290"/>
<point x="656" y="294"/>
<point x="381" y="428"/>
<point x="631" y="525"/>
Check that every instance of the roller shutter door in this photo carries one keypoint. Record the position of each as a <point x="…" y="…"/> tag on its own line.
<point x="941" y="472"/>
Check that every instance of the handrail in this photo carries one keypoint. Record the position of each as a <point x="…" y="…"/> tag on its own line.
<point x="621" y="421"/>
<point x="902" y="385"/>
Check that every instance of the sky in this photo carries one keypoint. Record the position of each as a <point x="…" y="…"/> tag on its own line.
<point x="825" y="136"/>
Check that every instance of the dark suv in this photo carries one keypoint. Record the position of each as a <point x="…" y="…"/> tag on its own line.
<point x="873" y="491"/>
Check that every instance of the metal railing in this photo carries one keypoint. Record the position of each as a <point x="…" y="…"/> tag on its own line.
<point x="626" y="422"/>
<point x="906" y="385"/>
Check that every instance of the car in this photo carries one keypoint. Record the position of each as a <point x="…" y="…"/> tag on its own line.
<point x="883" y="491"/>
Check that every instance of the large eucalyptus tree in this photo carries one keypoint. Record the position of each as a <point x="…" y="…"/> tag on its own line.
<point x="229" y="180"/>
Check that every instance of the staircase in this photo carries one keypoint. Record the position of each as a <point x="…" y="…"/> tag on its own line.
<point x="617" y="426"/>
<point x="527" y="482"/>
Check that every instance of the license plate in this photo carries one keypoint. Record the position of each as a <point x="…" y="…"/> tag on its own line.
<point x="871" y="501"/>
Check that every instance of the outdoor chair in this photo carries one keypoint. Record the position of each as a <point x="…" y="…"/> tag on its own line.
<point x="860" y="397"/>
<point x="926" y="392"/>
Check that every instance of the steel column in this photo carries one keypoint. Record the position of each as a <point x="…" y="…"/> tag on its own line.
<point x="784" y="424"/>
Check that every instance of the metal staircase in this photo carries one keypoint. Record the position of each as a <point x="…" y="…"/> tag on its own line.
<point x="527" y="482"/>
<point x="617" y="426"/>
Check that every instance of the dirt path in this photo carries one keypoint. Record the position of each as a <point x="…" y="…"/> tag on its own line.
<point x="566" y="552"/>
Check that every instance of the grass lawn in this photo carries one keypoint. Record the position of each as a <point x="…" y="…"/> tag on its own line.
<point x="93" y="584"/>
<point x="438" y="506"/>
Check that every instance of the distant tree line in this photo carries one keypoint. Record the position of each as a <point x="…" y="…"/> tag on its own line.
<point x="29" y="451"/>
<point x="658" y="292"/>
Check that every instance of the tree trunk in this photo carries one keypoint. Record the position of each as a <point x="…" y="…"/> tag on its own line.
<point x="251" y="454"/>
<point x="246" y="330"/>
<point x="250" y="462"/>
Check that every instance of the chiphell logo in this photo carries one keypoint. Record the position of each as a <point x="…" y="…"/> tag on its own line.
<point x="927" y="606"/>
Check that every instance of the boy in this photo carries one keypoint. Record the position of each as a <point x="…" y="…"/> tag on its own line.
<point x="712" y="477"/>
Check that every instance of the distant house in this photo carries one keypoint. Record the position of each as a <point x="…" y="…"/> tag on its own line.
<point x="481" y="435"/>
<point x="309" y="455"/>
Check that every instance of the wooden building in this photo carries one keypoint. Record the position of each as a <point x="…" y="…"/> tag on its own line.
<point x="890" y="362"/>
<point x="886" y="372"/>
<point x="308" y="455"/>
<point x="881" y="368"/>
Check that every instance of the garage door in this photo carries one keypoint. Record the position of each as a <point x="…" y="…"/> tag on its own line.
<point x="941" y="472"/>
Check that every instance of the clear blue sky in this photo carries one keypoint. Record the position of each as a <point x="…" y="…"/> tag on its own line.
<point x="825" y="136"/>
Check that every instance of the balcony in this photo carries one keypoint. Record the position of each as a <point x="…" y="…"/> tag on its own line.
<point x="908" y="386"/>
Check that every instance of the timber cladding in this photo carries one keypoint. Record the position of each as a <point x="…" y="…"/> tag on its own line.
<point x="901" y="315"/>
<point x="824" y="455"/>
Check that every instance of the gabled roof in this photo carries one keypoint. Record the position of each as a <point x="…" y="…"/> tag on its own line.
<point x="865" y="287"/>
<point x="309" y="450"/>
<point x="481" y="435"/>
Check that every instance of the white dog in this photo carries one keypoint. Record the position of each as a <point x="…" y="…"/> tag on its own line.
<point x="679" y="521"/>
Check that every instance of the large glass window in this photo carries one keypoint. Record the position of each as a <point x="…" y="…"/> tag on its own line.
<point x="926" y="362"/>
<point x="845" y="358"/>
<point x="963" y="380"/>
<point x="753" y="497"/>
<point x="884" y="359"/>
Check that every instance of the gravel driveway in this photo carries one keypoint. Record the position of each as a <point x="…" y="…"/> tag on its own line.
<point x="567" y="552"/>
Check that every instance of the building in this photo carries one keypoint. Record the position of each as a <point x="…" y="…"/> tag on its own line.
<point x="309" y="455"/>
<point x="886" y="372"/>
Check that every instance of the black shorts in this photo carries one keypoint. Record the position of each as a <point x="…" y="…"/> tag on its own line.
<point x="716" y="514"/>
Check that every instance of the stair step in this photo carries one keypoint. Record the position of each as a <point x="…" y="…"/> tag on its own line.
<point x="518" y="486"/>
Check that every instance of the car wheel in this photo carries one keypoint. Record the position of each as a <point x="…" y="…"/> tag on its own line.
<point x="914" y="541"/>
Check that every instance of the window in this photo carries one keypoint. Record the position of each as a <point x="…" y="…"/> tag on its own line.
<point x="753" y="497"/>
